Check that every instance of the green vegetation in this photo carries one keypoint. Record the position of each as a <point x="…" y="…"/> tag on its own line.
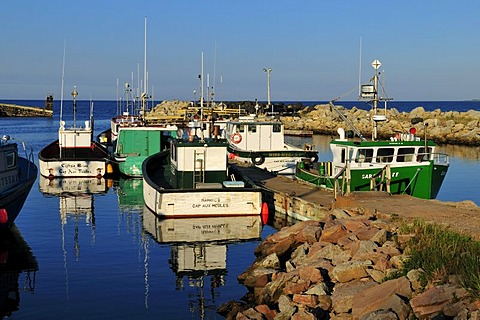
<point x="441" y="253"/>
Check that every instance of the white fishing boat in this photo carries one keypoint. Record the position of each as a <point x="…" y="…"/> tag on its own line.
<point x="192" y="178"/>
<point x="75" y="154"/>
<point x="260" y="140"/>
<point x="17" y="175"/>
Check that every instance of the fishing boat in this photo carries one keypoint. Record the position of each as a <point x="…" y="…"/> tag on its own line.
<point x="135" y="144"/>
<point x="260" y="140"/>
<point x="17" y="175"/>
<point x="403" y="164"/>
<point x="192" y="178"/>
<point x="75" y="154"/>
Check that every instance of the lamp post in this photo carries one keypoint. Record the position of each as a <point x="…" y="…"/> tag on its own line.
<point x="74" y="95"/>
<point x="194" y="98"/>
<point x="268" y="71"/>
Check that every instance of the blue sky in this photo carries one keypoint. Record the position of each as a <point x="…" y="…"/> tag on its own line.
<point x="429" y="49"/>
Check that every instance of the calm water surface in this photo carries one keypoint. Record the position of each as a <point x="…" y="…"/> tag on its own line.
<point x="100" y="255"/>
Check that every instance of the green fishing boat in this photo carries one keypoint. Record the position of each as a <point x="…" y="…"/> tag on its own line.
<point x="135" y="144"/>
<point x="403" y="164"/>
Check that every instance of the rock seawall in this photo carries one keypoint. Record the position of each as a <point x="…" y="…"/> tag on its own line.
<point x="339" y="268"/>
<point x="443" y="127"/>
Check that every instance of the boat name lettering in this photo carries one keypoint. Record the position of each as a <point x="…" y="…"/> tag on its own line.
<point x="210" y="200"/>
<point x="370" y="175"/>
<point x="72" y="165"/>
<point x="210" y="205"/>
<point x="6" y="180"/>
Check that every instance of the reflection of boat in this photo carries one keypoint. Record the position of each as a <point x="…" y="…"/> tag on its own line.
<point x="198" y="254"/>
<point x="130" y="193"/>
<point x="16" y="260"/>
<point x="72" y="186"/>
<point x="202" y="229"/>
<point x="75" y="154"/>
<point x="404" y="164"/>
<point x="193" y="179"/>
<point x="76" y="197"/>
<point x="17" y="175"/>
<point x="261" y="141"/>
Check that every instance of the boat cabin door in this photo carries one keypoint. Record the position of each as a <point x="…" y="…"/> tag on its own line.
<point x="265" y="137"/>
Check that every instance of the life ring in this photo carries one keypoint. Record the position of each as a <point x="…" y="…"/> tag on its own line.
<point x="258" y="159"/>
<point x="236" y="138"/>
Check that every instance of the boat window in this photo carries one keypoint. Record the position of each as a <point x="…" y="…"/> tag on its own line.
<point x="277" y="128"/>
<point x="364" y="155"/>
<point x="241" y="128"/>
<point x="422" y="156"/>
<point x="405" y="154"/>
<point x="385" y="154"/>
<point x="252" y="128"/>
<point x="11" y="160"/>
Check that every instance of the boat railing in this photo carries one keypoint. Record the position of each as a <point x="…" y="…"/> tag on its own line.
<point x="385" y="175"/>
<point x="441" y="158"/>
<point x="28" y="150"/>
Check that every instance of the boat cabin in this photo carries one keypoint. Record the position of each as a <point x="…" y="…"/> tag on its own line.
<point x="256" y="134"/>
<point x="8" y="165"/>
<point x="75" y="137"/>
<point x="399" y="151"/>
<point x="197" y="163"/>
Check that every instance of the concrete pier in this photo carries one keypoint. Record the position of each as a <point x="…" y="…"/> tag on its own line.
<point x="15" y="110"/>
<point x="303" y="202"/>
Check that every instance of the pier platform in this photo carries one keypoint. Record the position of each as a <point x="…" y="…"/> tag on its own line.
<point x="303" y="201"/>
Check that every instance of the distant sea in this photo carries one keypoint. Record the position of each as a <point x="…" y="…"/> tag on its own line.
<point x="402" y="106"/>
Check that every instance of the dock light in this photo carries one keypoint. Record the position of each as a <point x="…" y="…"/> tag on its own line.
<point x="3" y="216"/>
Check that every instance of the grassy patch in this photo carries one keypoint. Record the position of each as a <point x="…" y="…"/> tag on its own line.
<point x="441" y="252"/>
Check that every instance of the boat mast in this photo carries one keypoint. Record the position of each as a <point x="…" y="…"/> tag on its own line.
<point x="376" y="65"/>
<point x="63" y="78"/>
<point x="145" y="85"/>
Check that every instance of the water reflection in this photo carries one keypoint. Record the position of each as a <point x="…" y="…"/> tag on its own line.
<point x="76" y="203"/>
<point x="198" y="251"/>
<point x="466" y="152"/>
<point x="130" y="194"/>
<point x="16" y="261"/>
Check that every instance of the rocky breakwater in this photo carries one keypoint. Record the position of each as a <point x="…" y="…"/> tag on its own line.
<point x="443" y="127"/>
<point x="345" y="267"/>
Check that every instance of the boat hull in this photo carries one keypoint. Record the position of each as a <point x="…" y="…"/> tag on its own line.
<point x="421" y="181"/>
<point x="74" y="163"/>
<point x="208" y="201"/>
<point x="280" y="162"/>
<point x="13" y="199"/>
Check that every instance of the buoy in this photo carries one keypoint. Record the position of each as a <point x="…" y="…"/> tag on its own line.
<point x="3" y="216"/>
<point x="236" y="138"/>
<point x="264" y="213"/>
<point x="109" y="168"/>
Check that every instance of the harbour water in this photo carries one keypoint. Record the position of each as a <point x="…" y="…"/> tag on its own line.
<point x="101" y="255"/>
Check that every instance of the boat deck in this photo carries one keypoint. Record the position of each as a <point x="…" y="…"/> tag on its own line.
<point x="303" y="201"/>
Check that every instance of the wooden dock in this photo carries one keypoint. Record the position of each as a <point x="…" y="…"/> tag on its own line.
<point x="303" y="201"/>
